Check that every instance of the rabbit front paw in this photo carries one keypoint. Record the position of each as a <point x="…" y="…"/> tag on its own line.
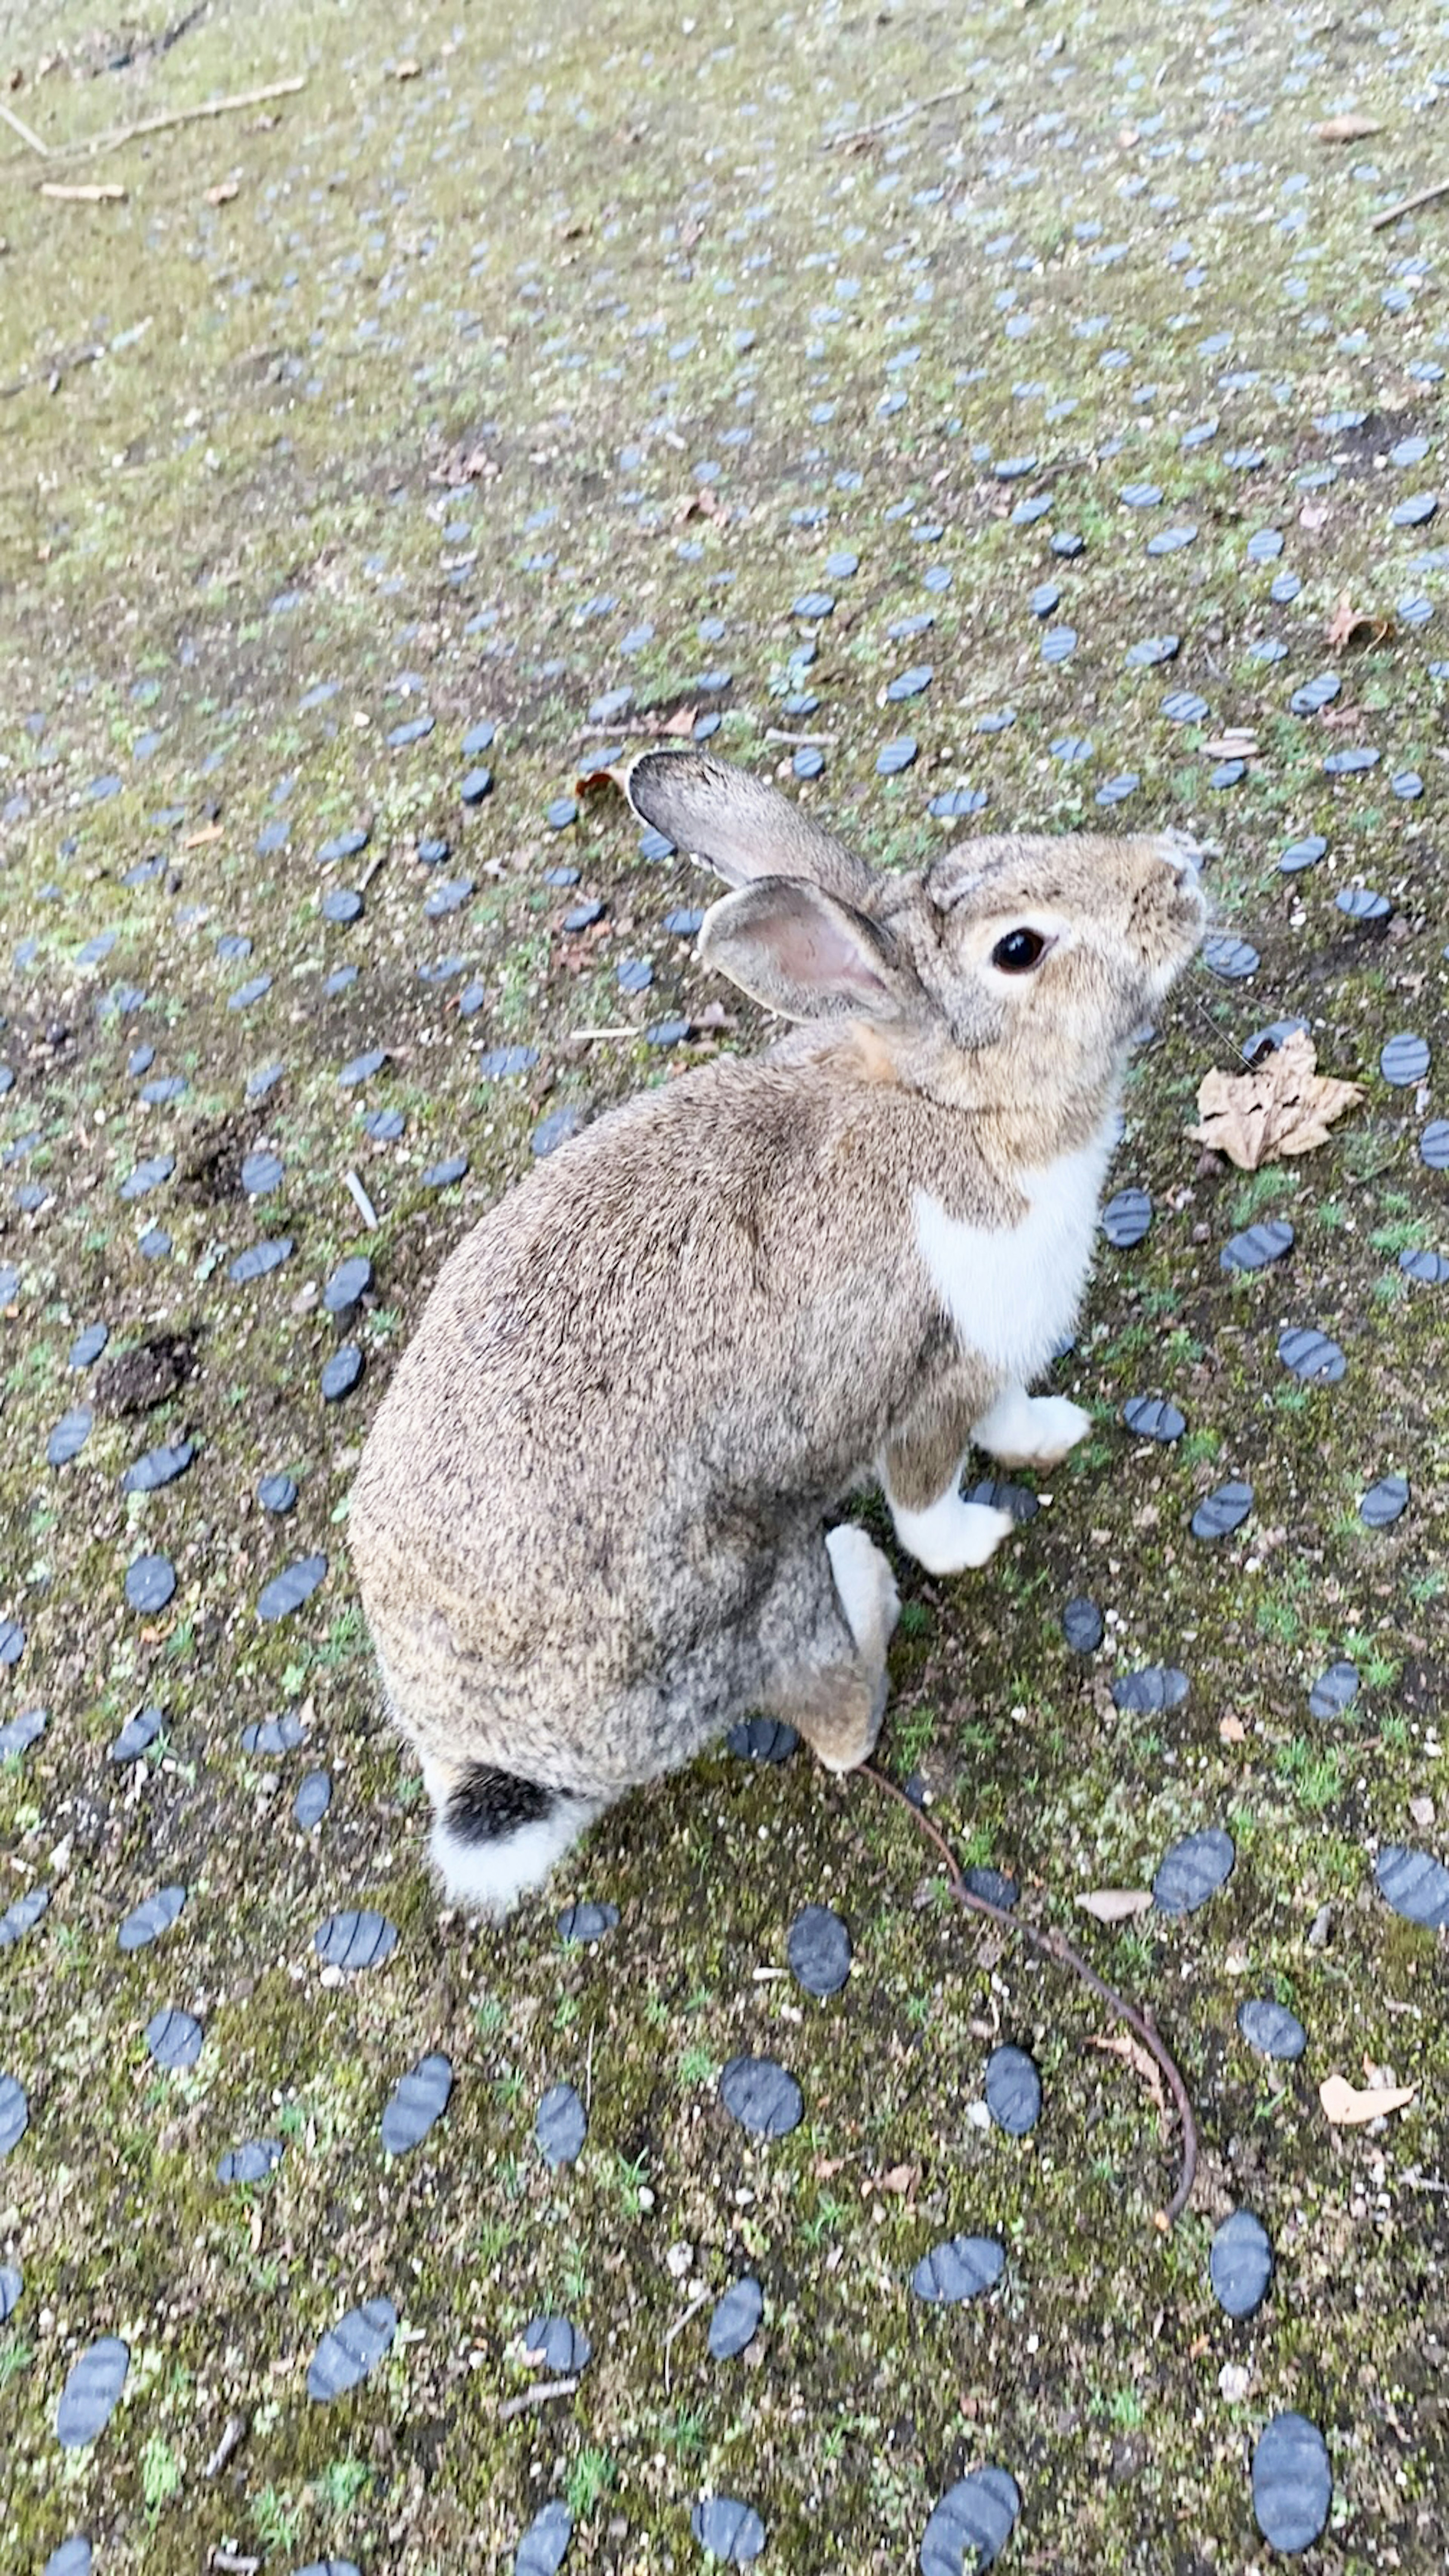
<point x="1022" y="1430"/>
<point x="952" y="1535"/>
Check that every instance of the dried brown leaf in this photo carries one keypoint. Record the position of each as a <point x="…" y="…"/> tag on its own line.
<point x="1131" y="2051"/>
<point x="681" y="722"/>
<point x="1350" y="625"/>
<point x="1346" y="2107"/>
<point x="1347" y="129"/>
<point x="223" y="193"/>
<point x="1115" y="1904"/>
<point x="1231" y="1730"/>
<point x="1283" y="1106"/>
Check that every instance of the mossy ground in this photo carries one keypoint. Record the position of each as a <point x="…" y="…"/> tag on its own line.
<point x="425" y="370"/>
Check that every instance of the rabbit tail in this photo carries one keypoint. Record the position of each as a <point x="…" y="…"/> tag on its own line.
<point x="495" y="1835"/>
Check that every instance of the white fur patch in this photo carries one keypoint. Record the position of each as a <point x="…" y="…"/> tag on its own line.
<point x="489" y="1878"/>
<point x="1022" y="1430"/>
<point x="866" y="1586"/>
<point x="951" y="1534"/>
<point x="1012" y="1292"/>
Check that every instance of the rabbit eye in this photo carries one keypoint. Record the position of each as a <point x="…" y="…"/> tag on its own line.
<point x="1018" y="952"/>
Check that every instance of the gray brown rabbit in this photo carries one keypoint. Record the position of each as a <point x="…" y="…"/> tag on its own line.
<point x="592" y="1523"/>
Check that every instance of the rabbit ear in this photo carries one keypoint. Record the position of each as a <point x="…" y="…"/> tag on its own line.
<point x="798" y="951"/>
<point x="737" y="825"/>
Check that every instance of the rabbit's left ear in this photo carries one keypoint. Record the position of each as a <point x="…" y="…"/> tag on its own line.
<point x="800" y="952"/>
<point x="739" y="825"/>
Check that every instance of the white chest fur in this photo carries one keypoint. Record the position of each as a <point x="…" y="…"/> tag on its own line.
<point x="1012" y="1292"/>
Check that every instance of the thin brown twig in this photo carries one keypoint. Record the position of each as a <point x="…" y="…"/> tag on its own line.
<point x="234" y="2433"/>
<point x="680" y="2322"/>
<point x="538" y="2395"/>
<point x="1053" y="1946"/>
<point x="1409" y="205"/>
<point x="898" y="116"/>
<point x="116" y="135"/>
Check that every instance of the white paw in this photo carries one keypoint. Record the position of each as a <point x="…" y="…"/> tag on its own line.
<point x="866" y="1586"/>
<point x="1024" y="1430"/>
<point x="952" y="1534"/>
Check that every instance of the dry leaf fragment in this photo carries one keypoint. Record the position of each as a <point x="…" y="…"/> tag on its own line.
<point x="1238" y="743"/>
<point x="1347" y="129"/>
<point x="406" y="71"/>
<point x="1346" y="2107"/>
<point x="681" y="722"/>
<point x="222" y="194"/>
<point x="1350" y="625"/>
<point x="1131" y="2051"/>
<point x="1116" y="1904"/>
<point x="1283" y="1106"/>
<point x="900" y="2179"/>
<point x="1231" y="1730"/>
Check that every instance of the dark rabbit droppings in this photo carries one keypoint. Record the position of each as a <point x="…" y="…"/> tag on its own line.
<point x="1192" y="1871"/>
<point x="417" y="2101"/>
<point x="251" y="2162"/>
<point x="92" y="2389"/>
<point x="1151" y="1417"/>
<point x="736" y="2319"/>
<point x="818" y="1949"/>
<point x="587" y="1922"/>
<point x="174" y="2039"/>
<point x="277" y="1494"/>
<point x="1151" y="1689"/>
<point x="12" y="2287"/>
<point x="21" y="1915"/>
<point x="340" y="1374"/>
<point x="350" y="2349"/>
<point x="1222" y="1511"/>
<point x="150" y="1583"/>
<point x="761" y="2096"/>
<point x="971" y="2525"/>
<point x="1311" y="1356"/>
<point x="1430" y="1269"/>
<point x="1292" y="2483"/>
<point x="1240" y="2264"/>
<point x="554" y="2345"/>
<point x="962" y="2267"/>
<point x="1258" y="1245"/>
<point x="1013" y="2091"/>
<point x="355" y="1939"/>
<point x="1385" y="1502"/>
<point x="1272" y="2029"/>
<point x="1404" y="1061"/>
<point x="1126" y="1218"/>
<point x="146" y="1922"/>
<point x="728" y="2530"/>
<point x="1083" y="1626"/>
<point x="312" y="1801"/>
<point x="14" y="2114"/>
<point x="72" y="2558"/>
<point x="544" y="2546"/>
<point x="561" y="2125"/>
<point x="1334" y="1691"/>
<point x="288" y="1590"/>
<point x="1415" y="1884"/>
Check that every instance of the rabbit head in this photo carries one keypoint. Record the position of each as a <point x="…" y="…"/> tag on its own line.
<point x="1008" y="971"/>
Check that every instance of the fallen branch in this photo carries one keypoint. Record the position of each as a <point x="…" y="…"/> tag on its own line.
<point x="26" y="133"/>
<point x="116" y="135"/>
<point x="898" y="116"/>
<point x="1053" y="1946"/>
<point x="1409" y="205"/>
<point x="538" y="2395"/>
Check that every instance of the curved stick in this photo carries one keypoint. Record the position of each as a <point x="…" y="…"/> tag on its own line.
<point x="1054" y="1946"/>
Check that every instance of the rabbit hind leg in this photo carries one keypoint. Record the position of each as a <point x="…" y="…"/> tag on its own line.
<point x="834" y="1685"/>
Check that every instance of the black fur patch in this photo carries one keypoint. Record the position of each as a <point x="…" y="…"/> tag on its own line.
<point x="488" y="1804"/>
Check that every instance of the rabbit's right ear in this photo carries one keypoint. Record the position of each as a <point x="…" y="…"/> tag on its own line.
<point x="739" y="826"/>
<point x="797" y="950"/>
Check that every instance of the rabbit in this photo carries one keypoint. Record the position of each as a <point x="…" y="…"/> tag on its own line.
<point x="593" y="1521"/>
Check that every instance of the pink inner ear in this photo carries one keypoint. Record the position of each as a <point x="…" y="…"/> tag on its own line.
<point x="818" y="953"/>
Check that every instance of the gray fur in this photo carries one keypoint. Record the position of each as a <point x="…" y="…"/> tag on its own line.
<point x="589" y="1524"/>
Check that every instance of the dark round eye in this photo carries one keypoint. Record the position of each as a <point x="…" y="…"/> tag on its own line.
<point x="1018" y="952"/>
